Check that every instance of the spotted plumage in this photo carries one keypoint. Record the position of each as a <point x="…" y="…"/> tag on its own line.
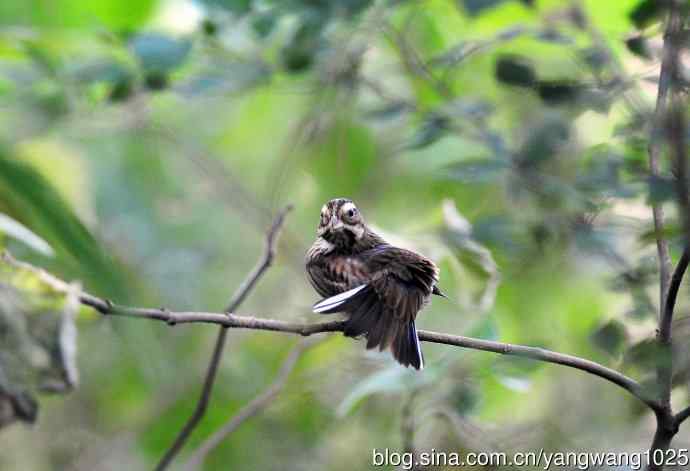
<point x="379" y="287"/>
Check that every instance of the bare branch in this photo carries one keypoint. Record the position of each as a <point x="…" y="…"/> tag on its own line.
<point x="254" y="407"/>
<point x="670" y="118"/>
<point x="240" y="295"/>
<point x="654" y="150"/>
<point x="674" y="286"/>
<point x="304" y="329"/>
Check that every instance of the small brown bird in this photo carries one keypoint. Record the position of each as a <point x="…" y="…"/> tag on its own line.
<point x="379" y="287"/>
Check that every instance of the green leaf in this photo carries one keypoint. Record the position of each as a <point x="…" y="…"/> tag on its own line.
<point x="559" y="92"/>
<point x="646" y="12"/>
<point x="239" y="7"/>
<point x="611" y="337"/>
<point x="477" y="7"/>
<point x="638" y="45"/>
<point x="474" y="257"/>
<point x="515" y="70"/>
<point x="108" y="14"/>
<point x="395" y="379"/>
<point x="299" y="54"/>
<point x="514" y="372"/>
<point x="263" y="23"/>
<point x="18" y="231"/>
<point x="647" y="355"/>
<point x="477" y="170"/>
<point x="30" y="199"/>
<point x="433" y="128"/>
<point x="389" y="111"/>
<point x="661" y="189"/>
<point x="486" y="329"/>
<point x="595" y="57"/>
<point x="544" y="141"/>
<point x="159" y="54"/>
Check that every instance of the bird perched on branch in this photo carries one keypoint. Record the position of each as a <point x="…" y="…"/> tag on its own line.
<point x="380" y="288"/>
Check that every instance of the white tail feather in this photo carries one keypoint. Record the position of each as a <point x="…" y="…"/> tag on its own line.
<point x="337" y="300"/>
<point x="419" y="349"/>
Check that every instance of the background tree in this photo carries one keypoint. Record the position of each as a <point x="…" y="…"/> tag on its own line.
<point x="535" y="149"/>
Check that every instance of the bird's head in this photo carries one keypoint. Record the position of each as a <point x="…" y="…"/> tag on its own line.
<point x="341" y="222"/>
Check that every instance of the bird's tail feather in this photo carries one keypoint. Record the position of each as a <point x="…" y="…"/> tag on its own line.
<point x="368" y="317"/>
<point x="339" y="302"/>
<point x="406" y="347"/>
<point x="383" y="330"/>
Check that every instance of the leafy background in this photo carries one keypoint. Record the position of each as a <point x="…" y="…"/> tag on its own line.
<point x="144" y="146"/>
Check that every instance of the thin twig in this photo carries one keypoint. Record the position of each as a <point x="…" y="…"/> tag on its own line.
<point x="240" y="295"/>
<point x="254" y="407"/>
<point x="305" y="329"/>
<point x="654" y="150"/>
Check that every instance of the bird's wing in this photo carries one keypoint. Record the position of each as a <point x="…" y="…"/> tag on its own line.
<point x="399" y="271"/>
<point x="398" y="281"/>
<point x="334" y="275"/>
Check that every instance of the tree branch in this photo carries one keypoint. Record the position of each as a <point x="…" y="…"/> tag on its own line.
<point x="673" y="287"/>
<point x="672" y="120"/>
<point x="254" y="407"/>
<point x="654" y="150"/>
<point x="240" y="295"/>
<point x="305" y="329"/>
<point x="682" y="416"/>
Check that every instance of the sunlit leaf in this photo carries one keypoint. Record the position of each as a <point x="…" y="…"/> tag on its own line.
<point x="20" y="232"/>
<point x="113" y="14"/>
<point x="30" y="199"/>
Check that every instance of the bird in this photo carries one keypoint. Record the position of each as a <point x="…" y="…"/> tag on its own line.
<point x="379" y="287"/>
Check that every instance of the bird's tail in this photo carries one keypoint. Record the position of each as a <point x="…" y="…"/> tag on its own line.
<point x="388" y="331"/>
<point x="406" y="347"/>
<point x="369" y="318"/>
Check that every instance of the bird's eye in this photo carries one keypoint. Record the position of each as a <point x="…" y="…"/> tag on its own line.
<point x="351" y="212"/>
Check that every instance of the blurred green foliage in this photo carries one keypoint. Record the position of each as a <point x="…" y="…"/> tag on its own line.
<point x="148" y="143"/>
